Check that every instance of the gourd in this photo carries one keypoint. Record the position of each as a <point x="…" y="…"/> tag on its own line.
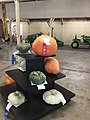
<point x="52" y="65"/>
<point x="37" y="77"/>
<point x="52" y="97"/>
<point x="23" y="47"/>
<point x="22" y="65"/>
<point x="16" y="98"/>
<point x="44" y="45"/>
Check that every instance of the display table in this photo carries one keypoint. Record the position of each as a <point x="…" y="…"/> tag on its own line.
<point x="37" y="108"/>
<point x="34" y="108"/>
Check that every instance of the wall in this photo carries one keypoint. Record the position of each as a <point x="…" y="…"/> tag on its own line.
<point x="54" y="9"/>
<point x="72" y="28"/>
<point x="39" y="27"/>
<point x="51" y="8"/>
<point x="24" y="28"/>
<point x="63" y="32"/>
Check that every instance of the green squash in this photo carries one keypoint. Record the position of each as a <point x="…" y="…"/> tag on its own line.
<point x="23" y="47"/>
<point x="37" y="77"/>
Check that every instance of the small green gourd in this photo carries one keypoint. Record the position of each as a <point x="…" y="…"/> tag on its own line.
<point x="23" y="47"/>
<point x="37" y="77"/>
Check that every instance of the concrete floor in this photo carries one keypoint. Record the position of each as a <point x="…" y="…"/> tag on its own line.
<point x="75" y="63"/>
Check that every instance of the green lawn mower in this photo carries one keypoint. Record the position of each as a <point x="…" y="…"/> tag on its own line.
<point x="85" y="40"/>
<point x="59" y="42"/>
<point x="30" y="39"/>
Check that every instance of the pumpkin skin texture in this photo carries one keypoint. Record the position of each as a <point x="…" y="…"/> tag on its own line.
<point x="52" y="97"/>
<point x="52" y="66"/>
<point x="23" y="47"/>
<point x="8" y="79"/>
<point x="16" y="98"/>
<point x="38" y="46"/>
<point x="37" y="77"/>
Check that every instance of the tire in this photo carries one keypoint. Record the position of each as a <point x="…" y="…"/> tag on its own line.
<point x="75" y="44"/>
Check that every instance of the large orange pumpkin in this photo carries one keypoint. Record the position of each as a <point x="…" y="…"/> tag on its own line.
<point x="52" y="65"/>
<point x="44" y="45"/>
<point x="8" y="79"/>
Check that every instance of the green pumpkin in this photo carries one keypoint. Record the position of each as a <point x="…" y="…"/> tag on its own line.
<point x="23" y="47"/>
<point x="37" y="77"/>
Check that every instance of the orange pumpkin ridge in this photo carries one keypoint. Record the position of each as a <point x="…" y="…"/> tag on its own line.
<point x="8" y="79"/>
<point x="37" y="46"/>
<point x="52" y="66"/>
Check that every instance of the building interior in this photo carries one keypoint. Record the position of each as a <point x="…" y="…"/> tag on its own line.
<point x="68" y="21"/>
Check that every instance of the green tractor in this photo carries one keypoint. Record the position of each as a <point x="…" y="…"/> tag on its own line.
<point x="85" y="40"/>
<point x="59" y="42"/>
<point x="30" y="39"/>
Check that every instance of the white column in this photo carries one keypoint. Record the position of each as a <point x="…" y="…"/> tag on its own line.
<point x="50" y="26"/>
<point x="61" y="30"/>
<point x="10" y="31"/>
<point x="17" y="9"/>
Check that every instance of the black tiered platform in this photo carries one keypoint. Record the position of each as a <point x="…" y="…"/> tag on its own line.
<point x="34" y="62"/>
<point x="24" y="85"/>
<point x="34" y="108"/>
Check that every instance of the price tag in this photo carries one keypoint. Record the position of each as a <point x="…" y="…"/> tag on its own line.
<point x="46" y="41"/>
<point x="40" y="87"/>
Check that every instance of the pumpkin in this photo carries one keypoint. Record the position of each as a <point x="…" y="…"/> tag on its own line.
<point x="16" y="98"/>
<point x="52" y="65"/>
<point x="22" y="66"/>
<point x="52" y="97"/>
<point x="23" y="47"/>
<point x="37" y="77"/>
<point x="44" y="45"/>
<point x="8" y="79"/>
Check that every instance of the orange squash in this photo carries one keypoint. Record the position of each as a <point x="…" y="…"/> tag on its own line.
<point x="52" y="66"/>
<point x="8" y="79"/>
<point x="44" y="45"/>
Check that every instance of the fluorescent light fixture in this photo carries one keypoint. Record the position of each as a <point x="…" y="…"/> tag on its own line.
<point x="6" y="0"/>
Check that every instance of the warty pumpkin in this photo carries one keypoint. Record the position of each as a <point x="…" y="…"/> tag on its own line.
<point x="23" y="47"/>
<point x="52" y="65"/>
<point x="37" y="77"/>
<point x="44" y="45"/>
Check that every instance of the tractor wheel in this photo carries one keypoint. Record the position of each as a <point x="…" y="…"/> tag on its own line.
<point x="75" y="44"/>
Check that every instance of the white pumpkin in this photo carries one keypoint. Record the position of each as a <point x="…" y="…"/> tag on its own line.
<point x="16" y="98"/>
<point x="52" y="97"/>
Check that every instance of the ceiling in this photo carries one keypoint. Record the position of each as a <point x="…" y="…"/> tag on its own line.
<point x="11" y="1"/>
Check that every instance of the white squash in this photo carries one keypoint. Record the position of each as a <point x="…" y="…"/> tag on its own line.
<point x="16" y="98"/>
<point x="52" y="97"/>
